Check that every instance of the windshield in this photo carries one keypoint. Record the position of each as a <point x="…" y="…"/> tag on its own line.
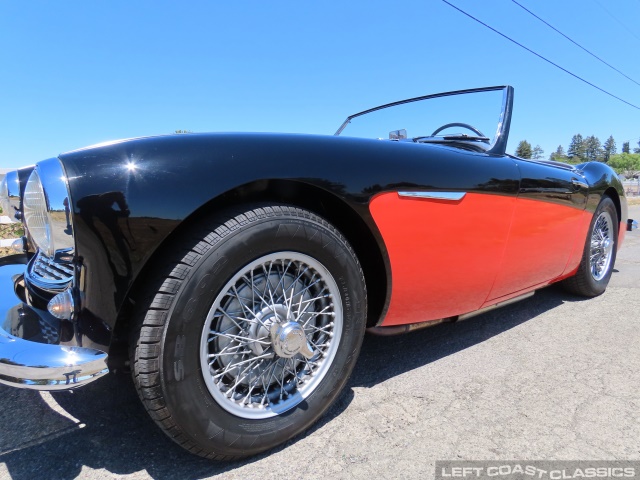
<point x="479" y="115"/>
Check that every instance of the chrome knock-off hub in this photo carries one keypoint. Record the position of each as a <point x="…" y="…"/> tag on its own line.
<point x="261" y="329"/>
<point x="288" y="339"/>
<point x="276" y="326"/>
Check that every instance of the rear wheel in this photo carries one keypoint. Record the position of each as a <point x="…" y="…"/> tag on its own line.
<point x="599" y="253"/>
<point x="250" y="336"/>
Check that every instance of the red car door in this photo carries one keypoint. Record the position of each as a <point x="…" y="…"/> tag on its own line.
<point x="445" y="246"/>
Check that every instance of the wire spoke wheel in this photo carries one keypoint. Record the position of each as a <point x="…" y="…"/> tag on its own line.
<point x="602" y="243"/>
<point x="599" y="255"/>
<point x="249" y="336"/>
<point x="271" y="335"/>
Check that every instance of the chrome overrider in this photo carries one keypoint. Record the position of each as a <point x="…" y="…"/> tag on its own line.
<point x="632" y="225"/>
<point x="34" y="365"/>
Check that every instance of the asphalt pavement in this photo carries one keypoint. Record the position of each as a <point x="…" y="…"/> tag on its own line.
<point x="552" y="377"/>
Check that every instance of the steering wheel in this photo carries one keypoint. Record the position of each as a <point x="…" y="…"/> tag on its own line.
<point x="456" y="124"/>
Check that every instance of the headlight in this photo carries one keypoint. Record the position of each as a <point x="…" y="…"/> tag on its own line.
<point x="10" y="193"/>
<point x="47" y="212"/>
<point x="36" y="215"/>
<point x="48" y="219"/>
<point x="4" y="197"/>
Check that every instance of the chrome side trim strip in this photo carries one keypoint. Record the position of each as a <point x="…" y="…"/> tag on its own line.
<point x="450" y="196"/>
<point x="497" y="305"/>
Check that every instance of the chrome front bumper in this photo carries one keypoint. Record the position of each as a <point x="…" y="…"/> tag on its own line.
<point x="30" y="353"/>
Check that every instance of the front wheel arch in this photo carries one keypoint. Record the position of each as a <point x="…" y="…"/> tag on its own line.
<point x="613" y="195"/>
<point x="364" y="237"/>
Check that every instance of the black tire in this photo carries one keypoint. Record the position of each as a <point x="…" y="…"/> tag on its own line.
<point x="186" y="320"/>
<point x="589" y="280"/>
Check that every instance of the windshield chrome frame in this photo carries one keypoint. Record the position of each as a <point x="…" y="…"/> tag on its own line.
<point x="499" y="145"/>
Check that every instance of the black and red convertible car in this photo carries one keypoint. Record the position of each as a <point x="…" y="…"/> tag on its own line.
<point x="236" y="274"/>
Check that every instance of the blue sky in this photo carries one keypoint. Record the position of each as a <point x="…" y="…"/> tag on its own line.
<point x="75" y="73"/>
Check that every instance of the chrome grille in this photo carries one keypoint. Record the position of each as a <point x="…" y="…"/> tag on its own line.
<point x="46" y="270"/>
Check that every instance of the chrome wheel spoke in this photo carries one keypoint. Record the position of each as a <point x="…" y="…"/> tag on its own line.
<point x="271" y="335"/>
<point x="602" y="245"/>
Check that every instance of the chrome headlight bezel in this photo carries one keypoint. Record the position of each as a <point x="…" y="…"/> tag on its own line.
<point x="10" y="196"/>
<point x="4" y="198"/>
<point x="47" y="201"/>
<point x="36" y="214"/>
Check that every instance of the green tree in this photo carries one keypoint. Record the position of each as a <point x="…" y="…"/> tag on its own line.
<point x="609" y="148"/>
<point x="558" y="155"/>
<point x="577" y="147"/>
<point x="573" y="160"/>
<point x="637" y="149"/>
<point x="593" y="151"/>
<point x="625" y="147"/>
<point x="537" y="152"/>
<point x="524" y="149"/>
<point x="627" y="164"/>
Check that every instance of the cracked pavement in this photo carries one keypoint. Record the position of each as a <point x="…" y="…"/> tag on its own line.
<point x="552" y="377"/>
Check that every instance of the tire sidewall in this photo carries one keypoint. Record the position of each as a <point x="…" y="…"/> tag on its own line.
<point x="186" y="394"/>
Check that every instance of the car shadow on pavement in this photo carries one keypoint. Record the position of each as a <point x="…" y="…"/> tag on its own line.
<point x="106" y="427"/>
<point x="386" y="357"/>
